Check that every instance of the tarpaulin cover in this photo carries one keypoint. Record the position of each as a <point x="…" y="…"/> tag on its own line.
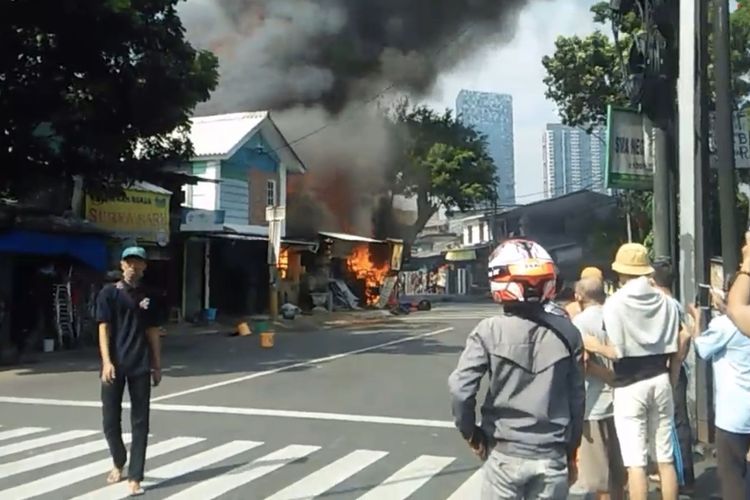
<point x="88" y="249"/>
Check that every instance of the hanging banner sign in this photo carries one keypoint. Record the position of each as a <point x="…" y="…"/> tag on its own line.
<point x="141" y="215"/>
<point x="741" y="129"/>
<point x="630" y="160"/>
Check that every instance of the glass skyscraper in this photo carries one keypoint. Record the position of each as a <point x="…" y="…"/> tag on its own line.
<point x="573" y="159"/>
<point x="491" y="114"/>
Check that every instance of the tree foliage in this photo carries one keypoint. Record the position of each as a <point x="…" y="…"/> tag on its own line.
<point x="95" y="88"/>
<point x="443" y="163"/>
<point x="585" y="75"/>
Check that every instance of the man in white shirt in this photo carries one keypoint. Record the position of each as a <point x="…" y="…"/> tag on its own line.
<point x="642" y="327"/>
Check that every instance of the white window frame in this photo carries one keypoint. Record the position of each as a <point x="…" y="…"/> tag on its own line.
<point x="271" y="192"/>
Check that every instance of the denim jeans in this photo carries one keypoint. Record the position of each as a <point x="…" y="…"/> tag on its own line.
<point x="513" y="478"/>
<point x="139" y="388"/>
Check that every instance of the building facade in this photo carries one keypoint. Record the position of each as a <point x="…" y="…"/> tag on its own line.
<point x="244" y="161"/>
<point x="491" y="114"/>
<point x="573" y="159"/>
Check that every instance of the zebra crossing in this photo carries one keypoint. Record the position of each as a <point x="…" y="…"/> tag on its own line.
<point x="37" y="461"/>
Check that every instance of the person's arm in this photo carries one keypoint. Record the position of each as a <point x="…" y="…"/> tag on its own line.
<point x="154" y="343"/>
<point x="601" y="372"/>
<point x="108" y="369"/>
<point x="153" y="335"/>
<point x="596" y="346"/>
<point x="738" y="300"/>
<point x="577" y="401"/>
<point x="104" y="319"/>
<point x="715" y="339"/>
<point x="683" y="343"/>
<point x="463" y="383"/>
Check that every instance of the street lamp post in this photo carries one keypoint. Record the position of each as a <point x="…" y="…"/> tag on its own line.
<point x="275" y="216"/>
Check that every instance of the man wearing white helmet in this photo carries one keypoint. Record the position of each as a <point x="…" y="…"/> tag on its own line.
<point x="532" y="415"/>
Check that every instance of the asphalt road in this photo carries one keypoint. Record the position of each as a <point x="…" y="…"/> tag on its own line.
<point x="349" y="413"/>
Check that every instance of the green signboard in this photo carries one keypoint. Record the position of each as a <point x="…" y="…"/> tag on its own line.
<point x="630" y="163"/>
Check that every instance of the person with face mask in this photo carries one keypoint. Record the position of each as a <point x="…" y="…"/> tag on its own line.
<point x="130" y="350"/>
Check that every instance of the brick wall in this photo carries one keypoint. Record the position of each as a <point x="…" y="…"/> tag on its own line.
<point x="257" y="186"/>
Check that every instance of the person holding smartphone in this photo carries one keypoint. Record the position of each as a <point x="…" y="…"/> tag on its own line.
<point x="129" y="344"/>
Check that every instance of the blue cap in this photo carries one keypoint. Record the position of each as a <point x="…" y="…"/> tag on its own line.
<point x="133" y="252"/>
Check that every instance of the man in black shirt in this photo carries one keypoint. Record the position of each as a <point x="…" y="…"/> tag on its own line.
<point x="131" y="353"/>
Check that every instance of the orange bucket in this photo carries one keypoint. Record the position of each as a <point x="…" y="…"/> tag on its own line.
<point x="243" y="329"/>
<point x="266" y="339"/>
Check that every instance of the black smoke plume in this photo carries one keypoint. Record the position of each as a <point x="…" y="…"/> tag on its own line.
<point x="275" y="54"/>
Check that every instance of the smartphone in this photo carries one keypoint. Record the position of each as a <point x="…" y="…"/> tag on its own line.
<point x="704" y="295"/>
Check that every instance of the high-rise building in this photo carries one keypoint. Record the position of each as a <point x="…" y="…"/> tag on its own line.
<point x="573" y="159"/>
<point x="491" y="115"/>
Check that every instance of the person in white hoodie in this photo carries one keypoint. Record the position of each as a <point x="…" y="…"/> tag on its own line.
<point x="642" y="327"/>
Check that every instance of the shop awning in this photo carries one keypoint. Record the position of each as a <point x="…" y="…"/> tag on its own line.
<point x="349" y="237"/>
<point x="460" y="255"/>
<point x="88" y="249"/>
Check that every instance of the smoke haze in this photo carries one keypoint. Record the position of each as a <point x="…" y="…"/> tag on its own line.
<point x="276" y="54"/>
<point x="317" y="62"/>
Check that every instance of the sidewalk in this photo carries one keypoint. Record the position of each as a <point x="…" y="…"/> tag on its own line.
<point x="706" y="482"/>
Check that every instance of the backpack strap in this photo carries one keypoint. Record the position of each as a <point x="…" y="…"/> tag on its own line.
<point x="558" y="323"/>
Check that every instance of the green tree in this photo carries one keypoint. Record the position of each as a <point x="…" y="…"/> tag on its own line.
<point x="443" y="163"/>
<point x="96" y="88"/>
<point x="585" y="74"/>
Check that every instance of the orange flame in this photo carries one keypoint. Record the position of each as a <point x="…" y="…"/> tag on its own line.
<point x="283" y="263"/>
<point x="361" y="265"/>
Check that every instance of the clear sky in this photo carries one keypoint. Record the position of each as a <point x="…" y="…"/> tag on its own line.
<point x="516" y="69"/>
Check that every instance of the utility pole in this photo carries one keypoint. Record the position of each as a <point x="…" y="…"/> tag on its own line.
<point x="725" y="138"/>
<point x="275" y="215"/>
<point x="661" y="196"/>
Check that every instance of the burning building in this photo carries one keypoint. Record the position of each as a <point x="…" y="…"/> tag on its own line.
<point x="316" y="62"/>
<point x="365" y="266"/>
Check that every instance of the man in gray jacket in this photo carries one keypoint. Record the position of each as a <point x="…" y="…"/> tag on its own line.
<point x="532" y="415"/>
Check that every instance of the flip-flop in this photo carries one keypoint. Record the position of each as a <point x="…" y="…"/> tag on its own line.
<point x="137" y="493"/>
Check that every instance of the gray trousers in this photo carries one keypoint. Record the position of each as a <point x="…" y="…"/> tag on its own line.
<point x="512" y="478"/>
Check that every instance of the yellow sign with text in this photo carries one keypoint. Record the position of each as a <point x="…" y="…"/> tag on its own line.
<point x="138" y="214"/>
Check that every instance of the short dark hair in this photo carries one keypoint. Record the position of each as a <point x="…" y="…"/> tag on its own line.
<point x="566" y="294"/>
<point x="663" y="273"/>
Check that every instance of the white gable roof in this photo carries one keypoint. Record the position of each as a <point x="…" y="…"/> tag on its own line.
<point x="218" y="137"/>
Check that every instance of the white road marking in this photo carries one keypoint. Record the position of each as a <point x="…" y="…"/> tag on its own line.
<point x="252" y="412"/>
<point x="176" y="469"/>
<point x="405" y="481"/>
<point x="67" y="477"/>
<point x="30" y="444"/>
<point x="23" y="431"/>
<point x="316" y="361"/>
<point x="472" y="488"/>
<point x="329" y="476"/>
<point x="217" y="486"/>
<point x="54" y="457"/>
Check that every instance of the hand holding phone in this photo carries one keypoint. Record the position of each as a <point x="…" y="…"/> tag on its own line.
<point x="704" y="295"/>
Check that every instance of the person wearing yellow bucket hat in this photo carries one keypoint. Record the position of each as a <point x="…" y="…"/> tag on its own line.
<point x="642" y="327"/>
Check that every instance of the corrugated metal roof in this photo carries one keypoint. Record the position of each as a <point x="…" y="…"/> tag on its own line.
<point x="349" y="237"/>
<point x="148" y="187"/>
<point x="218" y="135"/>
